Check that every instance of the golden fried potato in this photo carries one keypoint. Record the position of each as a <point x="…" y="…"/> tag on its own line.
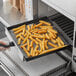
<point x="28" y="43"/>
<point x="52" y="44"/>
<point x="19" y="31"/>
<point x="53" y="40"/>
<point x="32" y="50"/>
<point x="38" y="39"/>
<point x="60" y="40"/>
<point x="18" y="28"/>
<point x="38" y="25"/>
<point x="28" y="27"/>
<point x="17" y="36"/>
<point x="19" y="41"/>
<point x="44" y="22"/>
<point x="24" y="45"/>
<point x="46" y="46"/>
<point x="41" y="35"/>
<point x="33" y="40"/>
<point x="28" y="54"/>
<point x="24" y="41"/>
<point x="31" y="45"/>
<point x="53" y="49"/>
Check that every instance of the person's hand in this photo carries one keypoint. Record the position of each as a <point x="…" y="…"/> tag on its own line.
<point x="2" y="48"/>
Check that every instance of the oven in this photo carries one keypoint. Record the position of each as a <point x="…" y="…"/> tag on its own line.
<point x="58" y="63"/>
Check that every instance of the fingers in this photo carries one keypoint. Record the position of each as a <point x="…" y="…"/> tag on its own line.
<point x="2" y="42"/>
<point x="2" y="48"/>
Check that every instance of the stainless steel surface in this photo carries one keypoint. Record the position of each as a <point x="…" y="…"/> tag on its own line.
<point x="3" y="73"/>
<point x="10" y="57"/>
<point x="6" y="60"/>
<point x="66" y="8"/>
<point x="31" y="9"/>
<point x="4" y="70"/>
<point x="35" y="67"/>
<point x="9" y="14"/>
<point x="74" y="50"/>
<point x="35" y="9"/>
<point x="44" y="10"/>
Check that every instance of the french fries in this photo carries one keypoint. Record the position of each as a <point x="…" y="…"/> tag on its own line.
<point x="36" y="39"/>
<point x="36" y="48"/>
<point x="52" y="44"/>
<point x="31" y="45"/>
<point x="53" y="31"/>
<point x="43" y="44"/>
<point x="53" y="40"/>
<point x="24" y="45"/>
<point x="21" y="38"/>
<point x="46" y="46"/>
<point x="38" y="25"/>
<point x="25" y="35"/>
<point x="19" y="41"/>
<point x="28" y="54"/>
<point x="53" y="49"/>
<point x="62" y="43"/>
<point x="44" y="22"/>
<point x="17" y="36"/>
<point x="33" y="40"/>
<point x="20" y="30"/>
<point x="52" y="35"/>
<point x="25" y="40"/>
<point x="21" y="27"/>
<point x="32" y="49"/>
<point x="47" y="36"/>
<point x="28" y="27"/>
<point x="42" y="31"/>
<point x="32" y="27"/>
<point x="24" y="30"/>
<point x="36" y="36"/>
<point x="28" y="43"/>
<point x="46" y="27"/>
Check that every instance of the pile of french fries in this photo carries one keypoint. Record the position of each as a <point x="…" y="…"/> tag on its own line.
<point x="36" y="39"/>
